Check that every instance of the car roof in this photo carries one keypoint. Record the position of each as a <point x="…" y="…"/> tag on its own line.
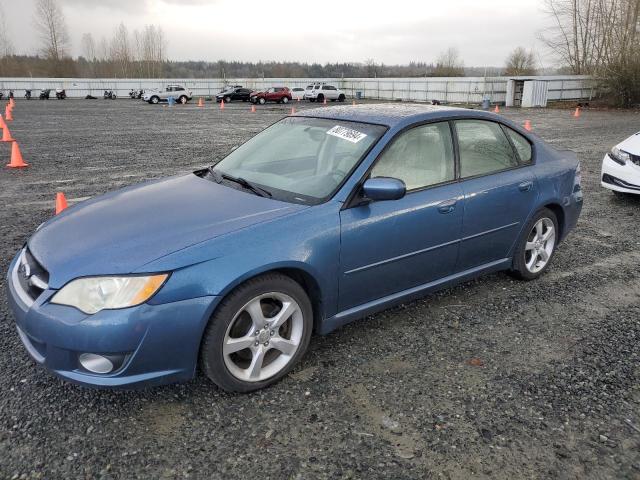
<point x="393" y="114"/>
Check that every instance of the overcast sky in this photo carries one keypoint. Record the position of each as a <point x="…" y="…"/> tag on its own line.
<point x="398" y="31"/>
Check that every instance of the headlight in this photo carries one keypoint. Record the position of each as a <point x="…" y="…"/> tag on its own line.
<point x="92" y="294"/>
<point x="619" y="156"/>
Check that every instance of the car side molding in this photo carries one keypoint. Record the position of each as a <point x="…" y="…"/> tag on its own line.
<point x="348" y="316"/>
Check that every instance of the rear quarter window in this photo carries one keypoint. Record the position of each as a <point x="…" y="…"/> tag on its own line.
<point x="522" y="145"/>
<point x="483" y="148"/>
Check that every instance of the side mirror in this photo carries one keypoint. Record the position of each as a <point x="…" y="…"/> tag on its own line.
<point x="384" y="188"/>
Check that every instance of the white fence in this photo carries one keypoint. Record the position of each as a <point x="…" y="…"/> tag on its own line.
<point x="447" y="90"/>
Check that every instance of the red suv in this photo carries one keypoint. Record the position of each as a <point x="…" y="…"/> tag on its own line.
<point x="274" y="94"/>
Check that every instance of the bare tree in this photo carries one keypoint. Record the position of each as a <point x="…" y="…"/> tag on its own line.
<point x="520" y="62"/>
<point x="449" y="64"/>
<point x="6" y="46"/>
<point x="121" y="53"/>
<point x="51" y="26"/>
<point x="599" y="37"/>
<point x="88" y="46"/>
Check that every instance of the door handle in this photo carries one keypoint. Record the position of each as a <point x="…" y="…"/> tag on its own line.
<point x="447" y="206"/>
<point x="525" y="186"/>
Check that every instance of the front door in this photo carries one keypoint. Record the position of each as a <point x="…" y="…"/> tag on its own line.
<point x="391" y="246"/>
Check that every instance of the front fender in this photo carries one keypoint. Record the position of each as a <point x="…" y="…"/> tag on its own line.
<point x="308" y="241"/>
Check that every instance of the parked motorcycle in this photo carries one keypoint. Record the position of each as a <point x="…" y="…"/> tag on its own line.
<point x="109" y="95"/>
<point x="136" y="94"/>
<point x="27" y="94"/>
<point x="45" y="94"/>
<point x="61" y="93"/>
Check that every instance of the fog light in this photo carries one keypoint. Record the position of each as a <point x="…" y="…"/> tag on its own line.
<point x="95" y="363"/>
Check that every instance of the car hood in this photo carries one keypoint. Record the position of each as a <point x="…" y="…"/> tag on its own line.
<point x="631" y="144"/>
<point x="122" y="231"/>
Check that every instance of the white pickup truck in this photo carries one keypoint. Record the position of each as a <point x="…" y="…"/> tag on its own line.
<point x="178" y="92"/>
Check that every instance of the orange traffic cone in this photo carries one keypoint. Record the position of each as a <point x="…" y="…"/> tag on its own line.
<point x="6" y="135"/>
<point x="324" y="102"/>
<point x="200" y="102"/>
<point x="2" y="124"/>
<point x="7" y="114"/>
<point x="253" y="109"/>
<point x="354" y="103"/>
<point x="221" y="104"/>
<point x="61" y="202"/>
<point x="16" y="157"/>
<point x="12" y="102"/>
<point x="527" y="125"/>
<point x="497" y="109"/>
<point x="576" y="114"/>
<point x="298" y="99"/>
<point x="293" y="110"/>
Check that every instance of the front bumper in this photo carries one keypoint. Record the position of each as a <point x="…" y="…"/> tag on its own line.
<point x="160" y="342"/>
<point x="621" y="178"/>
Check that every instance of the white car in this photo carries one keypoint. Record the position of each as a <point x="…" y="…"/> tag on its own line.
<point x="178" y="92"/>
<point x="297" y="93"/>
<point x="621" y="167"/>
<point x="322" y="91"/>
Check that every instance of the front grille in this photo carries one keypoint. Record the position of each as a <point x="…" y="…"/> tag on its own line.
<point x="32" y="277"/>
<point x="611" y="180"/>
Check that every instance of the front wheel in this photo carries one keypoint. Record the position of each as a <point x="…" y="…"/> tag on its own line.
<point x="536" y="246"/>
<point x="227" y="99"/>
<point x="154" y="100"/>
<point x="262" y="101"/>
<point x="341" y="98"/>
<point x="285" y="99"/>
<point x="257" y="334"/>
<point x="183" y="100"/>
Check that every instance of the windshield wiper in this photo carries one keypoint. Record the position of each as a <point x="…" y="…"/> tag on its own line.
<point x="218" y="177"/>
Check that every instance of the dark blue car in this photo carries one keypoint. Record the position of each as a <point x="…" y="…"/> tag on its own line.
<point x="324" y="217"/>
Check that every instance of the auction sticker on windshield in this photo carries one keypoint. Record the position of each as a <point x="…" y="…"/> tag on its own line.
<point x="347" y="134"/>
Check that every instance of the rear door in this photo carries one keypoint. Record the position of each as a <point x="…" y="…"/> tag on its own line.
<point x="500" y="190"/>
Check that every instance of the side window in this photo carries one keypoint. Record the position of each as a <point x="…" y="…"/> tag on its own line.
<point x="523" y="147"/>
<point x="420" y="157"/>
<point x="484" y="148"/>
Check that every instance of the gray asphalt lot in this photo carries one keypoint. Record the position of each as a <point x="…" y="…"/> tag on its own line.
<point x="494" y="378"/>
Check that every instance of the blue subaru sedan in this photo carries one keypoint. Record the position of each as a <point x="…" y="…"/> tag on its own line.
<point x="324" y="217"/>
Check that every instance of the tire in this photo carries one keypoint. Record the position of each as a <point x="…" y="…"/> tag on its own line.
<point x="525" y="266"/>
<point x="341" y="98"/>
<point x="227" y="99"/>
<point x="320" y="98"/>
<point x="154" y="100"/>
<point x="183" y="100"/>
<point x="262" y="101"/>
<point x="285" y="99"/>
<point x="233" y="371"/>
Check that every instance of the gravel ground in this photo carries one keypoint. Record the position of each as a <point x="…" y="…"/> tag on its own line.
<point x="494" y="378"/>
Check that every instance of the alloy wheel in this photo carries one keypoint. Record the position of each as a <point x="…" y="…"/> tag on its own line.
<point x="263" y="337"/>
<point x="540" y="244"/>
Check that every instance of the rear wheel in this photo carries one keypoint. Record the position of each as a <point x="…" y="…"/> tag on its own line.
<point x="285" y="100"/>
<point x="183" y="100"/>
<point x="154" y="100"/>
<point x="536" y="246"/>
<point x="341" y="98"/>
<point x="257" y="334"/>
<point x="320" y="98"/>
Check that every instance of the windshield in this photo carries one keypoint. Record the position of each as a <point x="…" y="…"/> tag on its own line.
<point x="301" y="160"/>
